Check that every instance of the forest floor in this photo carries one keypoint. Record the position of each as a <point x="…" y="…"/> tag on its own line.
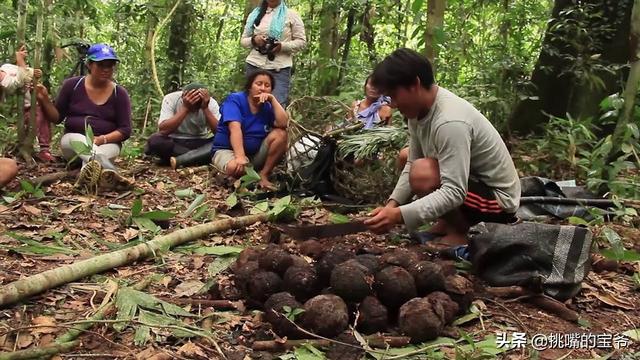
<point x="38" y="234"/>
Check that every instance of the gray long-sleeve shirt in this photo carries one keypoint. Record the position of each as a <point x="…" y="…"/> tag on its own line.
<point x="465" y="144"/>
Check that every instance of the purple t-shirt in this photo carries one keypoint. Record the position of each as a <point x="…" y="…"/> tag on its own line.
<point x="74" y="105"/>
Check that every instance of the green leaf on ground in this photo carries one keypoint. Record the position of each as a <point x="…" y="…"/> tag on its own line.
<point x="185" y="193"/>
<point x="232" y="200"/>
<point x="195" y="204"/>
<point x="158" y="215"/>
<point x="220" y="264"/>
<point x="217" y="250"/>
<point x="336" y="218"/>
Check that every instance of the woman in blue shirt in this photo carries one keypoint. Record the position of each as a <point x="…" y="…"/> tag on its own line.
<point x="252" y="130"/>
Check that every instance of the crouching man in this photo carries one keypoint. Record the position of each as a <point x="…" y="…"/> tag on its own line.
<point x="458" y="165"/>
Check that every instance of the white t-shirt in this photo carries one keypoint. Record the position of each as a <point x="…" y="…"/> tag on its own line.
<point x="15" y="77"/>
<point x="195" y="125"/>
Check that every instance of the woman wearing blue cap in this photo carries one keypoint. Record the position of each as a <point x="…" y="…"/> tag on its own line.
<point x="94" y="100"/>
<point x="274" y="32"/>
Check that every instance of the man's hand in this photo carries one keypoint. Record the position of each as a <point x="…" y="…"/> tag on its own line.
<point x="21" y="56"/>
<point x="190" y="99"/>
<point x="42" y="93"/>
<point x="384" y="219"/>
<point x="37" y="73"/>
<point x="277" y="48"/>
<point x="264" y="97"/>
<point x="205" y="97"/>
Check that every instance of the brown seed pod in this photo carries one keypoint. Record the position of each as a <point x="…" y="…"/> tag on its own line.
<point x="301" y="282"/>
<point x="394" y="286"/>
<point x="350" y="281"/>
<point x="276" y="259"/>
<point x="325" y="315"/>
<point x="262" y="285"/>
<point x="449" y="306"/>
<point x="419" y="320"/>
<point x="373" y="316"/>
<point x="428" y="276"/>
<point x="460" y="289"/>
<point x="274" y="311"/>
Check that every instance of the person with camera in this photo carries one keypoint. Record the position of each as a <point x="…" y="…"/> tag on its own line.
<point x="97" y="101"/>
<point x="252" y="130"/>
<point x="187" y="119"/>
<point x="19" y="77"/>
<point x="274" y="33"/>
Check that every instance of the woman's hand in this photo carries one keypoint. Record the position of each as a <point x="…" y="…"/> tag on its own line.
<point x="238" y="165"/>
<point x="42" y="93"/>
<point x="259" y="40"/>
<point x="264" y="97"/>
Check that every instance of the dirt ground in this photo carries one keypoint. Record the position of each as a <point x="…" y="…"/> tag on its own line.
<point x="83" y="226"/>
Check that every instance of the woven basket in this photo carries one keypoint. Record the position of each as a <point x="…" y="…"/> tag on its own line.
<point x="314" y="120"/>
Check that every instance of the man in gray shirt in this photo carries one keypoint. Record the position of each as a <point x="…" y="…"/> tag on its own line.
<point x="187" y="120"/>
<point x="459" y="168"/>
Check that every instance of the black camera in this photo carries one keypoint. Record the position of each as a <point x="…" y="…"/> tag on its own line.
<point x="80" y="46"/>
<point x="267" y="49"/>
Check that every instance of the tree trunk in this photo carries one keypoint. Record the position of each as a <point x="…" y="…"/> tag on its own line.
<point x="555" y="88"/>
<point x="178" y="45"/>
<point x="20" y="34"/>
<point x="435" y="22"/>
<point x="368" y="35"/>
<point x="26" y="287"/>
<point x="221" y="25"/>
<point x="26" y="148"/>
<point x="351" y="17"/>
<point x="631" y="88"/>
<point x="154" y="38"/>
<point x="328" y="49"/>
<point x="49" y="45"/>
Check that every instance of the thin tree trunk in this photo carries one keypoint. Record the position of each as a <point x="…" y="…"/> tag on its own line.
<point x="368" y="34"/>
<point x="347" y="44"/>
<point x="221" y="25"/>
<point x="178" y="45"/>
<point x="49" y="45"/>
<point x="26" y="287"/>
<point x="26" y="149"/>
<point x="633" y="82"/>
<point x="328" y="49"/>
<point x="154" y="69"/>
<point x="20" y="34"/>
<point x="435" y="22"/>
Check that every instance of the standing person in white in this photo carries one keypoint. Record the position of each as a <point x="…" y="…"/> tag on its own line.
<point x="274" y="33"/>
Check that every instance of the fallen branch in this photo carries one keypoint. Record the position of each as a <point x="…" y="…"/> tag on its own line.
<point x="216" y="304"/>
<point x="554" y="306"/>
<point x="376" y="341"/>
<point x="67" y="341"/>
<point x="53" y="177"/>
<point x="542" y="301"/>
<point x="193" y="170"/>
<point x="45" y="351"/>
<point x="24" y="288"/>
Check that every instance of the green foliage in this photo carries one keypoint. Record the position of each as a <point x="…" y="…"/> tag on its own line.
<point x="290" y="313"/>
<point x="145" y="220"/>
<point x="616" y="249"/>
<point x="145" y="313"/>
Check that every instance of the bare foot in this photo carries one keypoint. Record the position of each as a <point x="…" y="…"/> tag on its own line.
<point x="266" y="184"/>
<point x="454" y="239"/>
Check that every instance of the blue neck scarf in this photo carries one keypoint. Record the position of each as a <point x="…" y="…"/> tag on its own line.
<point x="369" y="115"/>
<point x="276" y="28"/>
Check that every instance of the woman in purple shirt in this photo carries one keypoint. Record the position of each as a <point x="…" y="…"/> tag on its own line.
<point x="94" y="100"/>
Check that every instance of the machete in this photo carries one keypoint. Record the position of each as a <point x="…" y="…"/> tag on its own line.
<point x="323" y="231"/>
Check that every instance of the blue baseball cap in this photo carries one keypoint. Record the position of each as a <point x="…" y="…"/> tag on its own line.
<point x="99" y="52"/>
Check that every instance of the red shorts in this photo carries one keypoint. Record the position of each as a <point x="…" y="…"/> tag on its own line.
<point x="481" y="205"/>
